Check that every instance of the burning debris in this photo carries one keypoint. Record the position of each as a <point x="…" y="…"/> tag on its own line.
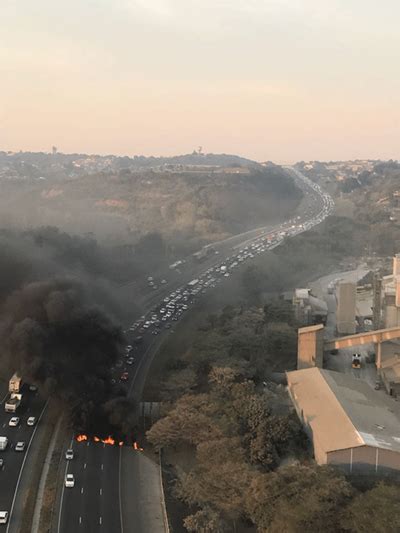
<point x="109" y="441"/>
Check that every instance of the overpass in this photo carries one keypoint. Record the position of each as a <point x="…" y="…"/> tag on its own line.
<point x="310" y="347"/>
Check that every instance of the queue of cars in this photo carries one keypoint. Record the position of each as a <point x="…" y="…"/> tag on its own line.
<point x="175" y="304"/>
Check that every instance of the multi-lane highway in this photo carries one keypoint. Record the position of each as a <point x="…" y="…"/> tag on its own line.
<point x="108" y="494"/>
<point x="13" y="461"/>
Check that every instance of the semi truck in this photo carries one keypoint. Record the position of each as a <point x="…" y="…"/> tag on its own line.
<point x="3" y="443"/>
<point x="15" y="398"/>
<point x="13" y="402"/>
<point x="15" y="383"/>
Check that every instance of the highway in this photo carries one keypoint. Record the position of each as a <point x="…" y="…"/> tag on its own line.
<point x="110" y="482"/>
<point x="13" y="462"/>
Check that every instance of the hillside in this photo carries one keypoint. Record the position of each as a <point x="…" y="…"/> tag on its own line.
<point x="182" y="199"/>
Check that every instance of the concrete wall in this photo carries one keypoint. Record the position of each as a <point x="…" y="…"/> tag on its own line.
<point x="346" y="308"/>
<point x="365" y="460"/>
<point x="310" y="346"/>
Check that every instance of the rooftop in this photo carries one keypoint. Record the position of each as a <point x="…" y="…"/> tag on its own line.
<point x="344" y="412"/>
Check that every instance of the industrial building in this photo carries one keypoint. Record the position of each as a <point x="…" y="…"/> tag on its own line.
<point x="346" y="308"/>
<point x="308" y="309"/>
<point x="351" y="425"/>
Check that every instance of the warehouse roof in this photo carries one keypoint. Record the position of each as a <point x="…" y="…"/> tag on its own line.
<point x="344" y="412"/>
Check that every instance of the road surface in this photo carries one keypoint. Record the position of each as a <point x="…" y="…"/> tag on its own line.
<point x="116" y="489"/>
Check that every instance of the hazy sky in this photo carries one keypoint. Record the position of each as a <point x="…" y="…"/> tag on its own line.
<point x="269" y="79"/>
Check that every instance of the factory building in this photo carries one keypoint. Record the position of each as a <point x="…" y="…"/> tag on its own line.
<point x="352" y="426"/>
<point x="346" y="308"/>
<point x="308" y="309"/>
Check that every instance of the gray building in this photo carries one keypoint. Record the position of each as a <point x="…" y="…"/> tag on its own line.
<point x="352" y="426"/>
<point x="346" y="308"/>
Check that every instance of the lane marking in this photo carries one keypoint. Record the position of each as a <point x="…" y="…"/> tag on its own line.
<point x="82" y="490"/>
<point x="119" y="491"/>
<point x="100" y="520"/>
<point x="84" y="466"/>
<point x="80" y="520"/>
<point x="63" y="489"/>
<point x="102" y="466"/>
<point x="101" y="492"/>
<point x="22" y="467"/>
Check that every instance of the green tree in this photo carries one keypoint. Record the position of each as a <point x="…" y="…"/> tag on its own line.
<point x="298" y="499"/>
<point x="375" y="511"/>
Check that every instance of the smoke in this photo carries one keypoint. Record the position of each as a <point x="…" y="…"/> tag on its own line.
<point x="53" y="337"/>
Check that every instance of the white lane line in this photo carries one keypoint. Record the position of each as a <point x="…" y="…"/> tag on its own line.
<point x="102" y="466"/>
<point x="22" y="466"/>
<point x="62" y="491"/>
<point x="119" y="491"/>
<point x="87" y="444"/>
<point x="100" y="520"/>
<point x="84" y="466"/>
<point x="82" y="490"/>
<point x="80" y="520"/>
<point x="101" y="492"/>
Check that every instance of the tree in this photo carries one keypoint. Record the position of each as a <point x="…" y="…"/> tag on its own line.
<point x="278" y="311"/>
<point x="298" y="499"/>
<point x="185" y="423"/>
<point x="377" y="511"/>
<point x="207" y="520"/>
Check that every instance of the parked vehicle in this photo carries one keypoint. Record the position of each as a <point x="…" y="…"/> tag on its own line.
<point x="356" y="360"/>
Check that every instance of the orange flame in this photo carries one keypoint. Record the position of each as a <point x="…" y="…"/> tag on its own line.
<point x="108" y="440"/>
<point x="81" y="438"/>
<point x="137" y="447"/>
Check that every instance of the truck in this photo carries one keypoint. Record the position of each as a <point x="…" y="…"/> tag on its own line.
<point x="223" y="269"/>
<point x="3" y="443"/>
<point x="13" y="402"/>
<point x="15" y="383"/>
<point x="356" y="360"/>
<point x="202" y="255"/>
<point x="193" y="282"/>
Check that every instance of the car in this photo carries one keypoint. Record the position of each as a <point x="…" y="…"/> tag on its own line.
<point x="20" y="446"/>
<point x="3" y="517"/>
<point x="31" y="421"/>
<point x="14" y="421"/>
<point x="124" y="376"/>
<point x="69" y="455"/>
<point x="69" y="480"/>
<point x="163" y="281"/>
<point x="33" y="388"/>
<point x="130" y="361"/>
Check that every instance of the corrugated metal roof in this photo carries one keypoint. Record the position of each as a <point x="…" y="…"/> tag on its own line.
<point x="344" y="412"/>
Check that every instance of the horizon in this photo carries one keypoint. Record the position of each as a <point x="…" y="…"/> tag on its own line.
<point x="274" y="80"/>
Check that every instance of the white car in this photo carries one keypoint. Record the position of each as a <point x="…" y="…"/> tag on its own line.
<point x="69" y="480"/>
<point x="3" y="517"/>
<point x="31" y="421"/>
<point x="20" y="446"/>
<point x="69" y="455"/>
<point x="14" y="421"/>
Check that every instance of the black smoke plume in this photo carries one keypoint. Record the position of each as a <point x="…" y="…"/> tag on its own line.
<point x="53" y="337"/>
